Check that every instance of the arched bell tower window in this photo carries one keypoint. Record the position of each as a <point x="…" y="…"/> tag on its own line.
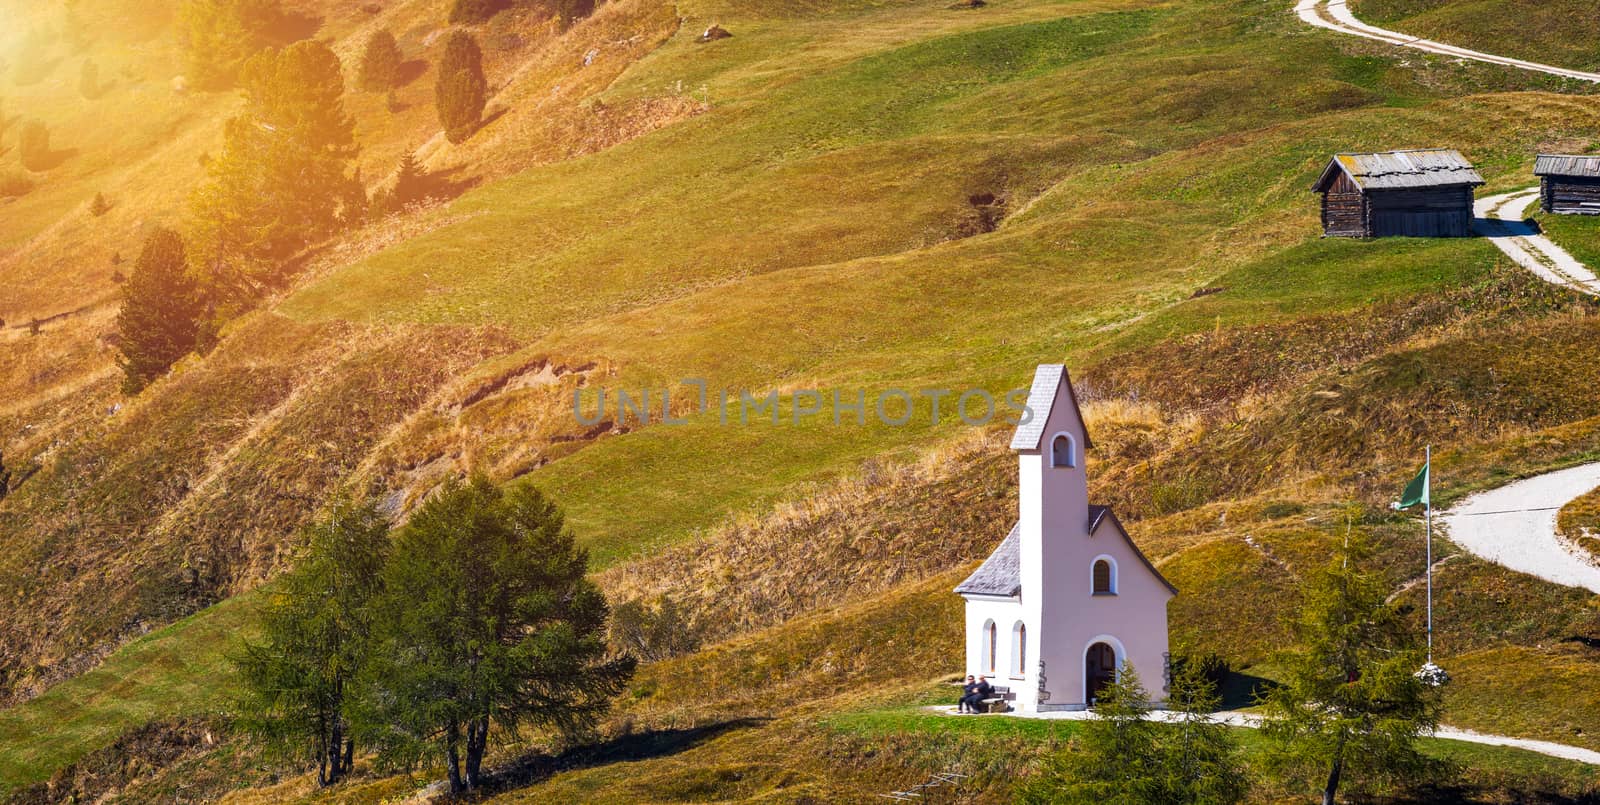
<point x="1063" y="451"/>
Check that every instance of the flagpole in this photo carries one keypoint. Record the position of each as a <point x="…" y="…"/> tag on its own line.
<point x="1428" y="499"/>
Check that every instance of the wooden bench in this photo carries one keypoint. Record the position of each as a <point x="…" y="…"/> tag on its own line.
<point x="997" y="701"/>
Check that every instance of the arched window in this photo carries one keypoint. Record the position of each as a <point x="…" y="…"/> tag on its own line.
<point x="1019" y="650"/>
<point x="991" y="645"/>
<point x="1063" y="451"/>
<point x="1105" y="576"/>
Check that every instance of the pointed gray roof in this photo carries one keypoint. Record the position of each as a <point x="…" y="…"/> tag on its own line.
<point x="1099" y="514"/>
<point x="1392" y="170"/>
<point x="1001" y="573"/>
<point x="1047" y="379"/>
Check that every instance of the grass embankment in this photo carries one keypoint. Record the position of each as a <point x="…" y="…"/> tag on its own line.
<point x="1579" y="521"/>
<point x="176" y="670"/>
<point x="1487" y="772"/>
<point x="1557" y="32"/>
<point x="1578" y="234"/>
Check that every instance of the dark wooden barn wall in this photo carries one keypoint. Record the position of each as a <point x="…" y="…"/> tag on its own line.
<point x="1344" y="209"/>
<point x="1571" y="195"/>
<point x="1428" y="212"/>
<point x="1433" y="212"/>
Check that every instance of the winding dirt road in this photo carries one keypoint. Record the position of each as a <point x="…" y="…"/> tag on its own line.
<point x="1500" y="219"/>
<point x="1335" y="15"/>
<point x="1515" y="526"/>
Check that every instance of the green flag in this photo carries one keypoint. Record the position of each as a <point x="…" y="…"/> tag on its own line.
<point x="1416" y="491"/>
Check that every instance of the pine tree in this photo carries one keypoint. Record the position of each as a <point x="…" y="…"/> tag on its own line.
<point x="1123" y="757"/>
<point x="380" y="63"/>
<point x="1199" y="757"/>
<point x="161" y="306"/>
<point x="98" y="206"/>
<point x="279" y="182"/>
<point x="1350" y="705"/>
<point x="33" y="146"/>
<point x="461" y="90"/>
<point x="487" y="620"/>
<point x="316" y="629"/>
<point x="1114" y="758"/>
<point x="409" y="180"/>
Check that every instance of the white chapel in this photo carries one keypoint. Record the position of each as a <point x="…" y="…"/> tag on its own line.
<point x="1067" y="598"/>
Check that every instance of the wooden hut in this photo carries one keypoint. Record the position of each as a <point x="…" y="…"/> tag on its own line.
<point x="1423" y="194"/>
<point x="1568" y="185"/>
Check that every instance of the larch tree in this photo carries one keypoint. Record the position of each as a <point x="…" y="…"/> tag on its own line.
<point x="299" y="677"/>
<point x="460" y="91"/>
<point x="488" y="621"/>
<point x="219" y="36"/>
<point x="280" y="180"/>
<point x="1123" y="757"/>
<point x="1199" y="756"/>
<point x="161" y="307"/>
<point x="1350" y="707"/>
<point x="1113" y="759"/>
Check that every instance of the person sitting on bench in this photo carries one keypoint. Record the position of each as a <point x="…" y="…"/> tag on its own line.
<point x="973" y="694"/>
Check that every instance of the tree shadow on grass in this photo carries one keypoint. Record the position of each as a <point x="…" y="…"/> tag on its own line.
<point x="291" y="27"/>
<point x="534" y="768"/>
<point x="1459" y="793"/>
<point x="51" y="160"/>
<point x="410" y="71"/>
<point x="447" y="184"/>
<point x="494" y="114"/>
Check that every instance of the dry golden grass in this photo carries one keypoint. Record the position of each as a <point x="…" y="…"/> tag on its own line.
<point x="1579" y="522"/>
<point x="191" y="491"/>
<point x="881" y="528"/>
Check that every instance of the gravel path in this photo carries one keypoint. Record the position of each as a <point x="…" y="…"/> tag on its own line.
<point x="1515" y="526"/>
<point x="1335" y="15"/>
<point x="1237" y="719"/>
<point x="1501" y="220"/>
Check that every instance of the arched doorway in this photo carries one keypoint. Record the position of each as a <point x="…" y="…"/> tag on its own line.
<point x="1099" y="669"/>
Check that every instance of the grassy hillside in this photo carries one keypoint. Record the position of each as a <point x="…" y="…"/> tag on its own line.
<point x="1558" y="32"/>
<point x="849" y="196"/>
